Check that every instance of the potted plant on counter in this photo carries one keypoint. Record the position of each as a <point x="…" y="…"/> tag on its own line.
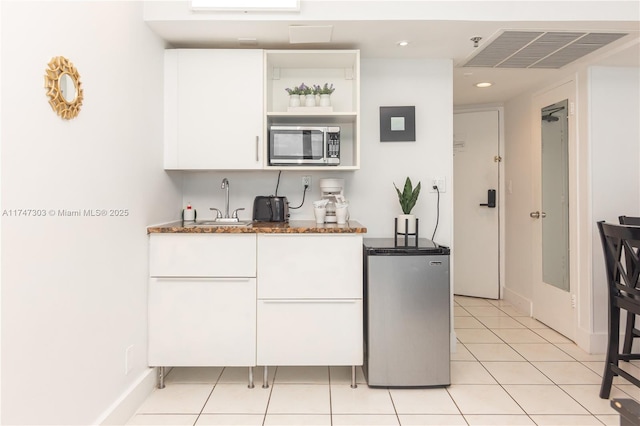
<point x="408" y="198"/>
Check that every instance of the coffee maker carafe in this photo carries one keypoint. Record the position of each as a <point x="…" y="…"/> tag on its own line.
<point x="333" y="191"/>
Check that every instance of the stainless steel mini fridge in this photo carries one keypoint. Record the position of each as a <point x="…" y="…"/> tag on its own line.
<point x="407" y="314"/>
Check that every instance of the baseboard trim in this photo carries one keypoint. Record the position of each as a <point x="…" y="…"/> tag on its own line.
<point x="521" y="303"/>
<point x="593" y="343"/>
<point x="121" y="411"/>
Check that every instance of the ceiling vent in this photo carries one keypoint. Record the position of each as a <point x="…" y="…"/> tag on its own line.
<point x="539" y="49"/>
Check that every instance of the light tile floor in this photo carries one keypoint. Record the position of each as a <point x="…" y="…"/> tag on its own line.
<point x="508" y="369"/>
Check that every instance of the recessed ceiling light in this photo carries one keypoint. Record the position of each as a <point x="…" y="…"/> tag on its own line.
<point x="483" y="84"/>
<point x="403" y="43"/>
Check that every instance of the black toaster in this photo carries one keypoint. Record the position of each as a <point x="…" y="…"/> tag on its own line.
<point x="270" y="208"/>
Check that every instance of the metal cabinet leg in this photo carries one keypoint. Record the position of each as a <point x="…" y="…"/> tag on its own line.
<point x="160" y="377"/>
<point x="353" y="377"/>
<point x="265" y="378"/>
<point x="250" y="378"/>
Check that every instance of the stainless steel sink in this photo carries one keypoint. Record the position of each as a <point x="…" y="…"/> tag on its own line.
<point x="212" y="223"/>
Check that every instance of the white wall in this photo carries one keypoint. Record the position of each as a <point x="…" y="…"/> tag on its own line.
<point x="426" y="84"/>
<point x="74" y="288"/>
<point x="614" y="108"/>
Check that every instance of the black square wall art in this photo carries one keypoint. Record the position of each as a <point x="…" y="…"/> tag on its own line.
<point x="398" y="124"/>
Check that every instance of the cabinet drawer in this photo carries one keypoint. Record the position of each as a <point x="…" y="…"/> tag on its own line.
<point x="202" y="322"/>
<point x="309" y="332"/>
<point x="309" y="266"/>
<point x="202" y="255"/>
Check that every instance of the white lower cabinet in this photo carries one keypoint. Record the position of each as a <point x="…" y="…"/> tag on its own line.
<point x="310" y="332"/>
<point x="202" y="322"/>
<point x="310" y="299"/>
<point x="247" y="300"/>
<point x="202" y="300"/>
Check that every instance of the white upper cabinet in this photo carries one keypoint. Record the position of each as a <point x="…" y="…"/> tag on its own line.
<point x="214" y="109"/>
<point x="290" y="68"/>
<point x="220" y="103"/>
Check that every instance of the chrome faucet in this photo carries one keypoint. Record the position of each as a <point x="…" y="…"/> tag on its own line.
<point x="226" y="218"/>
<point x="225" y="185"/>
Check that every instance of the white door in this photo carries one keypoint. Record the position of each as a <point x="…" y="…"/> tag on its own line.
<point x="554" y="206"/>
<point x="476" y="227"/>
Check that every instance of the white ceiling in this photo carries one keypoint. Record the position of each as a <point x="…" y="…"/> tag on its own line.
<point x="435" y="30"/>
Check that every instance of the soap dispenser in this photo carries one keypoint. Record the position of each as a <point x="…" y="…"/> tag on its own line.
<point x="189" y="214"/>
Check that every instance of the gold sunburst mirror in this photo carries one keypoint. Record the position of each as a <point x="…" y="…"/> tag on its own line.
<point x="62" y="82"/>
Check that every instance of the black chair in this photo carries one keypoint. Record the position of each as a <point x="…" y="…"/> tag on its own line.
<point x="629" y="411"/>
<point x="622" y="280"/>
<point x="631" y="332"/>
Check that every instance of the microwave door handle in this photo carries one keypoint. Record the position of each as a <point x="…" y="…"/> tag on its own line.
<point x="325" y="144"/>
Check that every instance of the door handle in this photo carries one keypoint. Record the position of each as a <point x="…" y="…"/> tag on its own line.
<point x="538" y="215"/>
<point x="257" y="148"/>
<point x="491" y="199"/>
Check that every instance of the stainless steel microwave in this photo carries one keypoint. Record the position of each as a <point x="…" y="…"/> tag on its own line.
<point x="304" y="145"/>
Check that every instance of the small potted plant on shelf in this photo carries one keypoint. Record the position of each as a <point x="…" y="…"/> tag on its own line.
<point x="307" y="94"/>
<point x="294" y="95"/>
<point x="407" y="198"/>
<point x="325" y="93"/>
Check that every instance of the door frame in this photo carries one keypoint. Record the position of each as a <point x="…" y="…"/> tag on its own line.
<point x="501" y="193"/>
<point x="557" y="92"/>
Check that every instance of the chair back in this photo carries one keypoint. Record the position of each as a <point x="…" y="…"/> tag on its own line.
<point x="629" y="220"/>
<point x="618" y="242"/>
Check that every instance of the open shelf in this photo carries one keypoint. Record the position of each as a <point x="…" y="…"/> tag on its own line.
<point x="289" y="68"/>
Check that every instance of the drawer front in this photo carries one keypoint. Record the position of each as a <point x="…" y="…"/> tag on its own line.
<point x="309" y="266"/>
<point x="202" y="322"/>
<point x="202" y="255"/>
<point x="309" y="332"/>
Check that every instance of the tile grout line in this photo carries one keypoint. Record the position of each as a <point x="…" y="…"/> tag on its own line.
<point x="205" y="402"/>
<point x="395" y="410"/>
<point x="273" y="383"/>
<point x="209" y="397"/>
<point x="456" y="404"/>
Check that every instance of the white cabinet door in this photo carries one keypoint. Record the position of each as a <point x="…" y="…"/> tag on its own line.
<point x="309" y="266"/>
<point x="202" y="255"/>
<point x="310" y="332"/>
<point x="214" y="109"/>
<point x="202" y="322"/>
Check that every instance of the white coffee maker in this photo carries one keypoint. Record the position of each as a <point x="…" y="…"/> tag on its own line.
<point x="332" y="190"/>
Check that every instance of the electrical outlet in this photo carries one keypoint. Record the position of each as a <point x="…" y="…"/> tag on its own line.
<point x="306" y="181"/>
<point x="128" y="362"/>
<point x="440" y="182"/>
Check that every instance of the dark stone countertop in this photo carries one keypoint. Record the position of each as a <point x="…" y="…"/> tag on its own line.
<point x="292" y="227"/>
